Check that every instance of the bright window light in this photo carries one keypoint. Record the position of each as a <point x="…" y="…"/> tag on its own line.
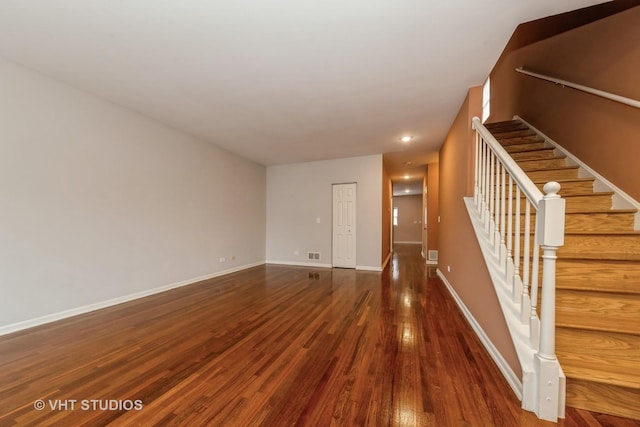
<point x="486" y="100"/>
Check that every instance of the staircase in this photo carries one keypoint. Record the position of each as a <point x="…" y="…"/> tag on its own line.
<point x="598" y="280"/>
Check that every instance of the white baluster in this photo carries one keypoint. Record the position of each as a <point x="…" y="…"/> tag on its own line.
<point x="503" y="245"/>
<point x="517" y="282"/>
<point x="525" y="302"/>
<point x="534" y="321"/>
<point x="496" y="237"/>
<point x="489" y="221"/>
<point x="476" y="170"/>
<point x="509" y="266"/>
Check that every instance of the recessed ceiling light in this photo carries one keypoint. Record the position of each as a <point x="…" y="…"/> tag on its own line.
<point x="406" y="138"/>
<point x="407" y="177"/>
<point x="407" y="191"/>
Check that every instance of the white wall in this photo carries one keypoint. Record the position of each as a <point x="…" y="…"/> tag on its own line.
<point x="99" y="203"/>
<point x="299" y="193"/>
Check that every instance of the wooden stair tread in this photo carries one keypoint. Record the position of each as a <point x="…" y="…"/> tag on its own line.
<point x="565" y="181"/>
<point x="626" y="233"/>
<point x="585" y="194"/>
<point x="605" y="211"/>
<point x="563" y="157"/>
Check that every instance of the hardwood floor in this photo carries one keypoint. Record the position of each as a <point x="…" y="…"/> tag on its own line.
<point x="271" y="346"/>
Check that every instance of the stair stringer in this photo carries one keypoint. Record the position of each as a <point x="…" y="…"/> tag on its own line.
<point x="620" y="199"/>
<point x="519" y="330"/>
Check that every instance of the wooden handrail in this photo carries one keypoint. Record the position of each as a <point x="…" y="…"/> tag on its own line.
<point x="608" y="95"/>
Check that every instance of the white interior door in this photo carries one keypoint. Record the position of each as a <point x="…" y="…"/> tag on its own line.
<point x="344" y="225"/>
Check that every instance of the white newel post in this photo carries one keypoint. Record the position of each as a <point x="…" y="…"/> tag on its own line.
<point x="549" y="398"/>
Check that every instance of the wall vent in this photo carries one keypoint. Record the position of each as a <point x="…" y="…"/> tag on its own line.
<point x="432" y="255"/>
<point x="314" y="256"/>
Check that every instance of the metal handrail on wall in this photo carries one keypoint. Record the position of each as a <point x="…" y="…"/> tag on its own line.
<point x="501" y="190"/>
<point x="612" y="96"/>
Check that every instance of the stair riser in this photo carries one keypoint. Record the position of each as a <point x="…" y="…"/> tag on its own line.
<point x="506" y="123"/>
<point x="542" y="164"/>
<point x="553" y="175"/>
<point x="602" y="222"/>
<point x="613" y="400"/>
<point x="594" y="247"/>
<point x="568" y="188"/>
<point x="598" y="311"/>
<point x="588" y="203"/>
<point x="594" y="222"/>
<point x="516" y="134"/>
<point x="597" y="344"/>
<point x="524" y="147"/>
<point x="572" y="188"/>
<point x="598" y="275"/>
<point x="497" y="130"/>
<point x="610" y="247"/>
<point x="533" y="155"/>
<point x="574" y="204"/>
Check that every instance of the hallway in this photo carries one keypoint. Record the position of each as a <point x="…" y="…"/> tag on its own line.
<point x="272" y="346"/>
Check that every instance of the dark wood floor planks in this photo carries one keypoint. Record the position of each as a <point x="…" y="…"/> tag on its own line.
<point x="272" y="346"/>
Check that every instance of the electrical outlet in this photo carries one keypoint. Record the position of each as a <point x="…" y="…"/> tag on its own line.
<point x="448" y="269"/>
<point x="222" y="259"/>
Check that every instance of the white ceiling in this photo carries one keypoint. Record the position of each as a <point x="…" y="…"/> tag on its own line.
<point x="277" y="81"/>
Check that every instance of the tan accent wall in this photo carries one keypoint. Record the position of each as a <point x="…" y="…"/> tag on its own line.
<point x="458" y="248"/>
<point x="409" y="228"/>
<point x="433" y="181"/>
<point x="425" y="204"/>
<point x="605" y="55"/>
<point x="386" y="214"/>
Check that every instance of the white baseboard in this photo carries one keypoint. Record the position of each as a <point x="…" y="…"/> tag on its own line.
<point x="15" y="327"/>
<point x="318" y="265"/>
<point x="514" y="382"/>
<point x="300" y="264"/>
<point x="368" y="268"/>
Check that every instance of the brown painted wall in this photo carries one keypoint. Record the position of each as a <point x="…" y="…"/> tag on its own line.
<point x="409" y="228"/>
<point x="459" y="249"/>
<point x="386" y="215"/>
<point x="604" y="55"/>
